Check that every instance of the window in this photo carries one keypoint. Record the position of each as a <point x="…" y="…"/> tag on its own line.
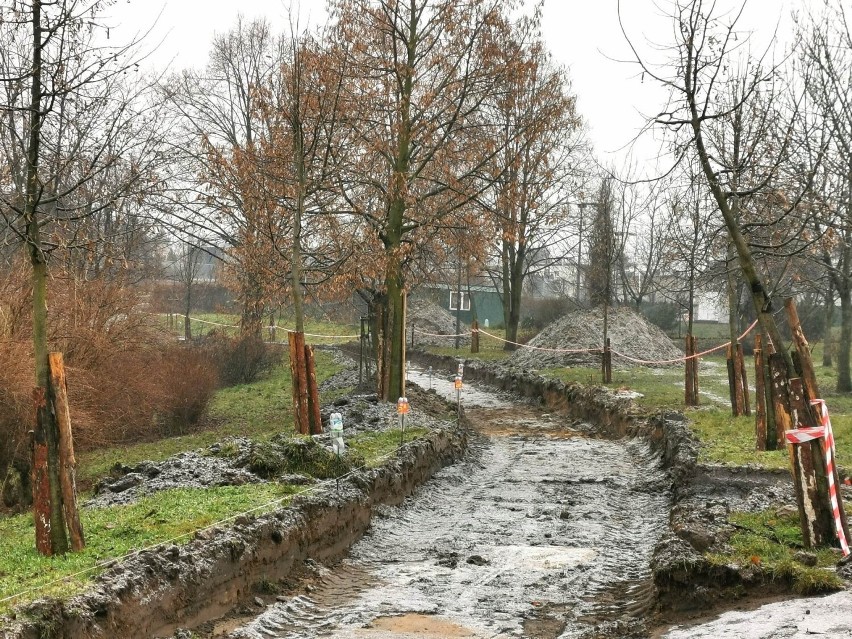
<point x="454" y="301"/>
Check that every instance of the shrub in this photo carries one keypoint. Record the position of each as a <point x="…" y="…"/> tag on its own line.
<point x="127" y="380"/>
<point x="240" y="360"/>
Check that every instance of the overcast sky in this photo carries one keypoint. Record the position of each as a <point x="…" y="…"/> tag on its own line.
<point x="582" y="34"/>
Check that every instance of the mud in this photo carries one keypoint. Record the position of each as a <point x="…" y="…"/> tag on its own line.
<point x="542" y="532"/>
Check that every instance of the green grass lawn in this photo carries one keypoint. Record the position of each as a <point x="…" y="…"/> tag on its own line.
<point x="172" y="515"/>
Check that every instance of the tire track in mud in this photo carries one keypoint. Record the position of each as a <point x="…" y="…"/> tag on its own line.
<point x="540" y="532"/>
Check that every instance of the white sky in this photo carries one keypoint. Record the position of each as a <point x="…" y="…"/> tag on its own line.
<point x="583" y="34"/>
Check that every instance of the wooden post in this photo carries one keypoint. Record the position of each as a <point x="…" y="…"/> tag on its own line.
<point x="474" y="337"/>
<point x="51" y="537"/>
<point x="809" y="465"/>
<point x="780" y="398"/>
<point x="315" y="417"/>
<point x="760" y="396"/>
<point x="743" y="380"/>
<point x="41" y="484"/>
<point x="810" y="390"/>
<point x="67" y="462"/>
<point x="695" y="371"/>
<point x="300" y="383"/>
<point x="606" y="363"/>
<point x="689" y="373"/>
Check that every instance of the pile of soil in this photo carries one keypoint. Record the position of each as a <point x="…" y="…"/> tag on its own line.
<point x="428" y="317"/>
<point x="629" y="332"/>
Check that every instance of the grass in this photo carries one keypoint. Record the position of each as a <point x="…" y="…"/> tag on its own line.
<point x="374" y="447"/>
<point x="118" y="530"/>
<point x="770" y="541"/>
<point x="257" y="410"/>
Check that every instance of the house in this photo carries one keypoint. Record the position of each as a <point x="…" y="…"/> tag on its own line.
<point x="472" y="301"/>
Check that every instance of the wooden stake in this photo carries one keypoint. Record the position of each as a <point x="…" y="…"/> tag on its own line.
<point x="474" y="337"/>
<point x="760" y="396"/>
<point x="695" y="371"/>
<point x="313" y="392"/>
<point x="67" y="462"/>
<point x="810" y="390"/>
<point x="606" y="363"/>
<point x="780" y="398"/>
<point x="299" y="380"/>
<point x="689" y="373"/>
<point x="809" y="463"/>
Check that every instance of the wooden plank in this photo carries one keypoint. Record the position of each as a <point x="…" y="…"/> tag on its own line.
<point x="759" y="397"/>
<point x="67" y="462"/>
<point x="315" y="417"/>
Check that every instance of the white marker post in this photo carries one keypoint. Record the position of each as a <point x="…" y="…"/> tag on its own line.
<point x="402" y="409"/>
<point x="337" y="445"/>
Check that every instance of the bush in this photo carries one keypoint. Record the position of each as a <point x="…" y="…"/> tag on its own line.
<point x="240" y="360"/>
<point x="664" y="314"/>
<point x="127" y="380"/>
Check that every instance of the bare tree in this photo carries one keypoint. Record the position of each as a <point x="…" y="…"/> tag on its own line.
<point x="71" y="121"/>
<point x="216" y="117"/>
<point x="540" y="166"/>
<point x="416" y="74"/>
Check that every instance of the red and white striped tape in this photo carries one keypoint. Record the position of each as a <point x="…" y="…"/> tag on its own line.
<point x="824" y="432"/>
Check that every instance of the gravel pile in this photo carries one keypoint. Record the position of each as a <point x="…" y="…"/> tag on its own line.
<point x="427" y="317"/>
<point x="629" y="332"/>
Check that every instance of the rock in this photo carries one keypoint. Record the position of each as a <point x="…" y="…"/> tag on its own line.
<point x="787" y="511"/>
<point x="128" y="481"/>
<point x="259" y="602"/>
<point x="477" y="560"/>
<point x="806" y="558"/>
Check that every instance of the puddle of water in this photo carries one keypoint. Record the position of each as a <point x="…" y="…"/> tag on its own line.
<point x="444" y="386"/>
<point x="416" y="626"/>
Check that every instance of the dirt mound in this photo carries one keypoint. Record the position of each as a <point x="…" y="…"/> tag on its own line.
<point x="428" y="317"/>
<point x="629" y="332"/>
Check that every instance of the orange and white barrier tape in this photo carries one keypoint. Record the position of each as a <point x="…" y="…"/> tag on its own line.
<point x="824" y="432"/>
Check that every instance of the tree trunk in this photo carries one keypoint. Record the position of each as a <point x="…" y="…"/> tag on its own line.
<point x="844" y="381"/>
<point x="828" y="315"/>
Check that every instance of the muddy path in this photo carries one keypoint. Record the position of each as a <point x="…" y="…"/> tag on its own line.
<point x="541" y="532"/>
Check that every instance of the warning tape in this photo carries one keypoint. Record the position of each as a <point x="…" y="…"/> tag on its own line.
<point x="824" y="432"/>
<point x="686" y="357"/>
<point x="417" y="330"/>
<point x="290" y="330"/>
<point x="541" y="348"/>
